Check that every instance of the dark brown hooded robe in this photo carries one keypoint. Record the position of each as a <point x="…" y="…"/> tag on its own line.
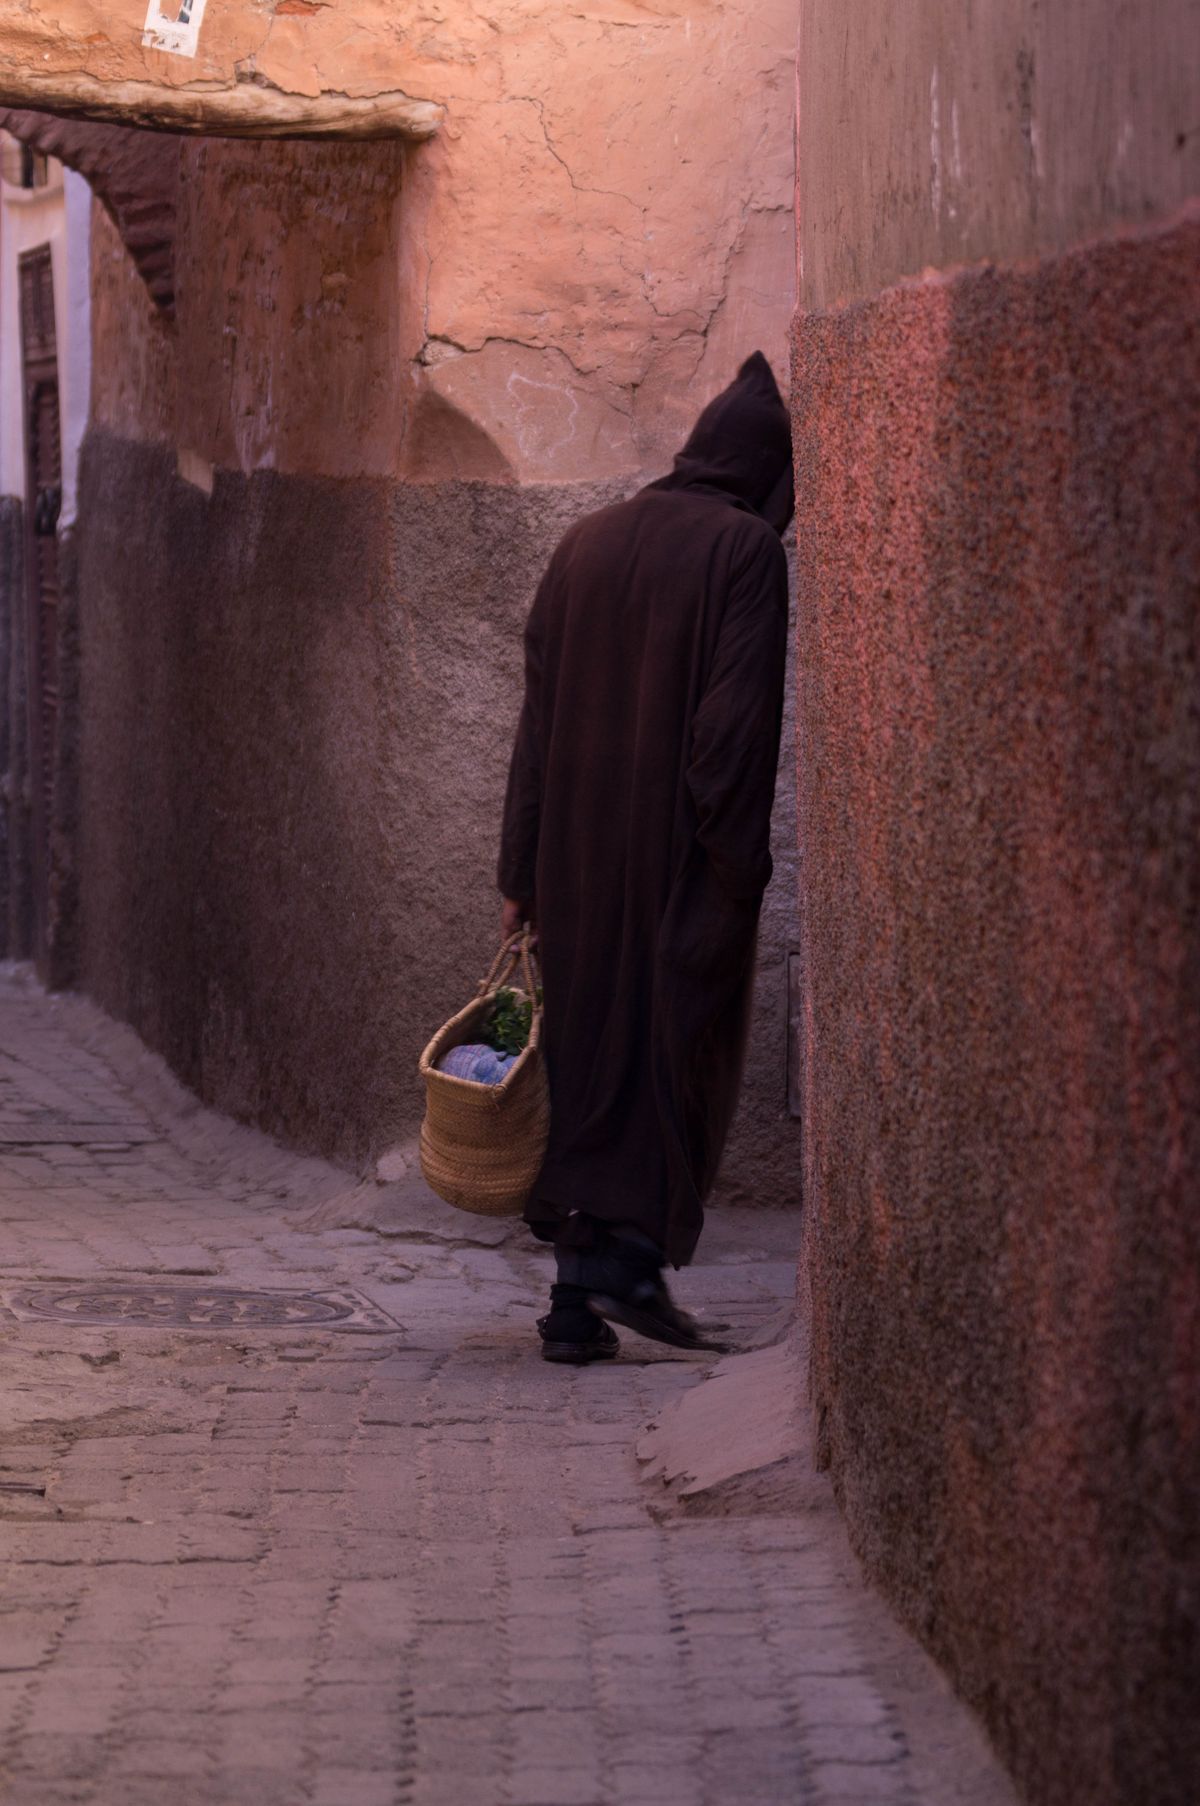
<point x="638" y="813"/>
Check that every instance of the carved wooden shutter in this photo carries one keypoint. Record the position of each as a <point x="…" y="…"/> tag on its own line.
<point x="43" y="499"/>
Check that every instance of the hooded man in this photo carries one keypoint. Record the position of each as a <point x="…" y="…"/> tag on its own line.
<point x="635" y="836"/>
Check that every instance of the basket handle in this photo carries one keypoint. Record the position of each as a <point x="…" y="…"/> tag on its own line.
<point x="514" y="952"/>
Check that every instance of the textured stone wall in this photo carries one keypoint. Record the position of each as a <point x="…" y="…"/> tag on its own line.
<point x="293" y="762"/>
<point x="999" y="734"/>
<point x="295" y="745"/>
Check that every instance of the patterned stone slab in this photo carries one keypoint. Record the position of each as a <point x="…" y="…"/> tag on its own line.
<point x="98" y="1138"/>
<point x="144" y="1304"/>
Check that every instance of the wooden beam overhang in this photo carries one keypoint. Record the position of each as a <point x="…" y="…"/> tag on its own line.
<point x="235" y="68"/>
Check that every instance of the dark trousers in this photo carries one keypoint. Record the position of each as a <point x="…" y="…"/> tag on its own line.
<point x="600" y="1256"/>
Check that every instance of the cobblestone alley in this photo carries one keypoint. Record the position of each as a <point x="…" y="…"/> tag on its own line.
<point x="295" y="1515"/>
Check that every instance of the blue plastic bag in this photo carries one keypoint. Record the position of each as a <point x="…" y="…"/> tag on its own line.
<point x="475" y="1061"/>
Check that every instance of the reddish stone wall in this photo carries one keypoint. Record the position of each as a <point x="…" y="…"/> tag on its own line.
<point x="999" y="548"/>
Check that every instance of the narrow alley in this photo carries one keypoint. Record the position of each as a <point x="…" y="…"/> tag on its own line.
<point x="712" y="490"/>
<point x="296" y="1515"/>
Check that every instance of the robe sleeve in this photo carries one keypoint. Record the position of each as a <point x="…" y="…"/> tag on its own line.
<point x="735" y="733"/>
<point x="523" y="798"/>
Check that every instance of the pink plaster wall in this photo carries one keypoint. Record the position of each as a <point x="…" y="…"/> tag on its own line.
<point x="546" y="291"/>
<point x="999" y="738"/>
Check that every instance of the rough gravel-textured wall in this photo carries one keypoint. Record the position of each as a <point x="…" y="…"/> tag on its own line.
<point x="293" y="763"/>
<point x="999" y="547"/>
<point x="294" y="753"/>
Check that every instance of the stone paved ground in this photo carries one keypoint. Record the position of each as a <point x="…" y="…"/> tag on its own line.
<point x="246" y="1565"/>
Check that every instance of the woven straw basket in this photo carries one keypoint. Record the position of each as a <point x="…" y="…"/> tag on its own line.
<point x="482" y="1146"/>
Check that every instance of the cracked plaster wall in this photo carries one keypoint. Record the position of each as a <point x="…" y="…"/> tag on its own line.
<point x="475" y="340"/>
<point x="550" y="288"/>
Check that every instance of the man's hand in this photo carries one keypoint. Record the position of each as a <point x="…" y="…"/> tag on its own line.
<point x="514" y="917"/>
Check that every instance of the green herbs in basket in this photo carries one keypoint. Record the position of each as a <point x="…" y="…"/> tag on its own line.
<point x="507" y="1027"/>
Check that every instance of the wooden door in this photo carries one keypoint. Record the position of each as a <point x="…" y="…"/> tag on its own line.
<point x="43" y="500"/>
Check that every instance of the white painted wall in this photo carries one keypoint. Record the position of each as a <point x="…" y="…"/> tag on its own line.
<point x="75" y="334"/>
<point x="58" y="215"/>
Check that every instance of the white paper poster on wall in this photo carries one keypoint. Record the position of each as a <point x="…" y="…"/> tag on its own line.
<point x="177" y="35"/>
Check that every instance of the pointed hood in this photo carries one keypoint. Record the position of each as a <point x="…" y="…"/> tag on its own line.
<point x="741" y="446"/>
